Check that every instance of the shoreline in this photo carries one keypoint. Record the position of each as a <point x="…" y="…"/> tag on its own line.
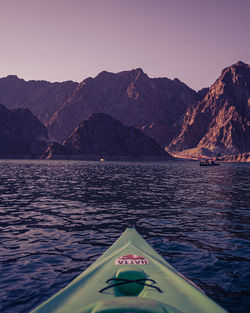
<point x="174" y="158"/>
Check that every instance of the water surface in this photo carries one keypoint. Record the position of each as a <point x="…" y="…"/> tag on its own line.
<point x="57" y="217"/>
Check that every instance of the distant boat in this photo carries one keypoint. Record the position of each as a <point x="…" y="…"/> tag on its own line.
<point x="102" y="160"/>
<point x="208" y="163"/>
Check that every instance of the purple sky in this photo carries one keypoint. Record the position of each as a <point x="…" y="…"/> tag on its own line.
<point x="59" y="40"/>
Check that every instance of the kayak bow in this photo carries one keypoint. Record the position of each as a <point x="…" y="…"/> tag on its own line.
<point x="130" y="277"/>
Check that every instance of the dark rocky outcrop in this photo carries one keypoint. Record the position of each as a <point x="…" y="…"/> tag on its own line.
<point x="21" y="133"/>
<point x="153" y="105"/>
<point x="41" y="97"/>
<point x="220" y="123"/>
<point x="103" y="136"/>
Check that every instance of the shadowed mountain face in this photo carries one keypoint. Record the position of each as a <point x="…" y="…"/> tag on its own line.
<point x="102" y="135"/>
<point x="152" y="105"/>
<point x="21" y="133"/>
<point x="220" y="123"/>
<point x="41" y="97"/>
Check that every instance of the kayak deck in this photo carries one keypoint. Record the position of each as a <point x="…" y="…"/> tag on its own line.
<point x="130" y="276"/>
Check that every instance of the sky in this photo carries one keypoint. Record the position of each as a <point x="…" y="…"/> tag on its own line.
<point x="59" y="40"/>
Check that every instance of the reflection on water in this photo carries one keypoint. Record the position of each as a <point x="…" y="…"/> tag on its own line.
<point x="57" y="217"/>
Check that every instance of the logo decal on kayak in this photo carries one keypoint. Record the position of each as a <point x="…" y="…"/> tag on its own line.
<point x="131" y="259"/>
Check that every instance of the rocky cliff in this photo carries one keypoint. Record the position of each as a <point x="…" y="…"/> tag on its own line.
<point x="101" y="135"/>
<point x="21" y="133"/>
<point x="220" y="123"/>
<point x="153" y="105"/>
<point x="41" y="97"/>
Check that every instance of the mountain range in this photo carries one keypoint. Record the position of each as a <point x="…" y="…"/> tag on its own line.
<point x="214" y="121"/>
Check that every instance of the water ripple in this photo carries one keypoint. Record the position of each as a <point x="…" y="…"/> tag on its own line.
<point x="57" y="217"/>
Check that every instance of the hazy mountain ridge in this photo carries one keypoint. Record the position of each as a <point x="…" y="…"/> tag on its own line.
<point x="41" y="97"/>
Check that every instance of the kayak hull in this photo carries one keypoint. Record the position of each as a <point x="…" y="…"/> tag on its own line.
<point x="130" y="277"/>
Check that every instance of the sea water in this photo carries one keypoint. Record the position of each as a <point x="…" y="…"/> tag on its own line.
<point x="57" y="217"/>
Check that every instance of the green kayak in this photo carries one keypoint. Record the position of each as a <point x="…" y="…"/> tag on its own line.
<point x="130" y="277"/>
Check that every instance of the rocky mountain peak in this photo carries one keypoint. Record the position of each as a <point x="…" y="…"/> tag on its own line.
<point x="220" y="123"/>
<point x="132" y="75"/>
<point x="104" y="75"/>
<point x="12" y="77"/>
<point x="96" y="118"/>
<point x="233" y="85"/>
<point x="235" y="73"/>
<point x="103" y="136"/>
<point x="139" y="74"/>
